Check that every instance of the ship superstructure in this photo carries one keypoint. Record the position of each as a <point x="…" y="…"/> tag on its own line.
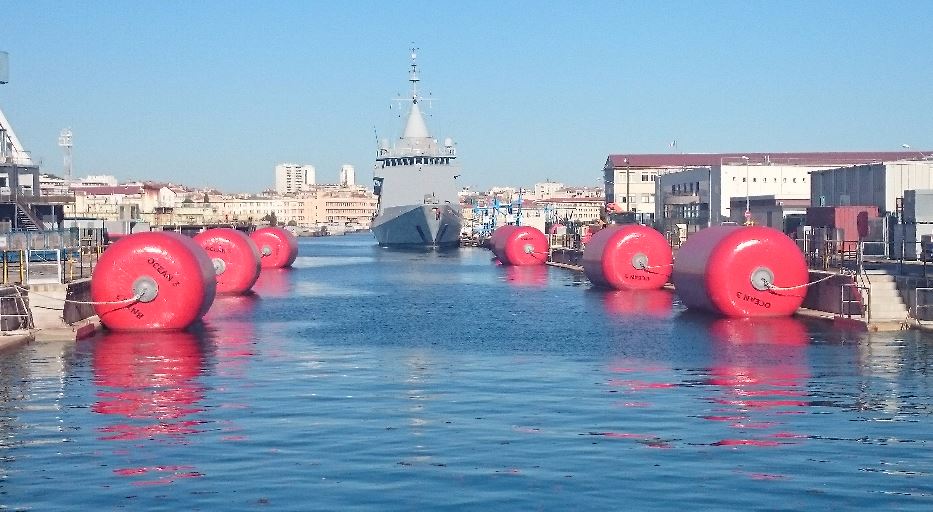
<point x="415" y="180"/>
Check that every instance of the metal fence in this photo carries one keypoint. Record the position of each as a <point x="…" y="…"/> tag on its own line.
<point x="14" y="313"/>
<point x="46" y="257"/>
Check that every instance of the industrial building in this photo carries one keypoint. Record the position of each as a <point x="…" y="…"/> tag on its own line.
<point x="901" y="192"/>
<point x="681" y="193"/>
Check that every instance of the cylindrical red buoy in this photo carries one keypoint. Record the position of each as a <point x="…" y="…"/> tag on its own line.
<point x="520" y="245"/>
<point x="278" y="247"/>
<point x="168" y="274"/>
<point x="235" y="258"/>
<point x="738" y="271"/>
<point x="495" y="241"/>
<point x="629" y="257"/>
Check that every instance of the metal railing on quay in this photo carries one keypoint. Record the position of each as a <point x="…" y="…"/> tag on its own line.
<point x="567" y="242"/>
<point x="19" y="318"/>
<point x="921" y="312"/>
<point x="859" y="299"/>
<point x="36" y="258"/>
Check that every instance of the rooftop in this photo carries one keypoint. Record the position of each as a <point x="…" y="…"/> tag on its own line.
<point x="648" y="160"/>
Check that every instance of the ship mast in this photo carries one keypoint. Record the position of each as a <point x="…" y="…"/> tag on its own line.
<point x="415" y="127"/>
<point x="413" y="76"/>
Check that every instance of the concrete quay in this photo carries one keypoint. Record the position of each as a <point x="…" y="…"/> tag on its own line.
<point x="58" y="313"/>
<point x="46" y="312"/>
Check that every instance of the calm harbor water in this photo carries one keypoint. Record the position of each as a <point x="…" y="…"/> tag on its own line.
<point x="366" y="379"/>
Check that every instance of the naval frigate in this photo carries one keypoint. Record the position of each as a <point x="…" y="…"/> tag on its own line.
<point x="415" y="182"/>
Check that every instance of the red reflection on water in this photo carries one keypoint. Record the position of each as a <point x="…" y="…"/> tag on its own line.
<point x="151" y="380"/>
<point x="760" y="365"/>
<point x="652" y="303"/>
<point x="745" y="442"/>
<point x="232" y="337"/>
<point x="534" y="276"/>
<point x="148" y="375"/>
<point x="174" y="473"/>
<point x="233" y="331"/>
<point x="633" y="365"/>
<point x="232" y="307"/>
<point x="773" y="331"/>
<point x="274" y="282"/>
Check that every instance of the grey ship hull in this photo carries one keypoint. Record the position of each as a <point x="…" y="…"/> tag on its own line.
<point x="428" y="226"/>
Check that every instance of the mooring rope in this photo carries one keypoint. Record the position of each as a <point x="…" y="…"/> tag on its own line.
<point x="132" y="299"/>
<point x="772" y="286"/>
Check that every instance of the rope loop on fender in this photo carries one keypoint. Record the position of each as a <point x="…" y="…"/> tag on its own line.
<point x="773" y="287"/>
<point x="132" y="299"/>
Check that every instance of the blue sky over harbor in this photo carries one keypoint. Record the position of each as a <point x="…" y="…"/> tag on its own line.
<point x="215" y="93"/>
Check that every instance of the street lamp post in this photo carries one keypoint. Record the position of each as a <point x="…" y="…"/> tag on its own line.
<point x="748" y="213"/>
<point x="628" y="206"/>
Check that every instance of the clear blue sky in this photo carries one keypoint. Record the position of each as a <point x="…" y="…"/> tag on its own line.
<point x="217" y="92"/>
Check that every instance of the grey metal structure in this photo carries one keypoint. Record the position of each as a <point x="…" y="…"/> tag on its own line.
<point x="4" y="67"/>
<point x="415" y="181"/>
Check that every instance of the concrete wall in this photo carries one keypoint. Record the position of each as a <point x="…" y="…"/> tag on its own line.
<point x="827" y="295"/>
<point x="78" y="290"/>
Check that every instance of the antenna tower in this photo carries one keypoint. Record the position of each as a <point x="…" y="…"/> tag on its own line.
<point x="64" y="140"/>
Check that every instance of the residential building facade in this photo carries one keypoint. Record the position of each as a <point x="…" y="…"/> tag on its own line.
<point x="293" y="178"/>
